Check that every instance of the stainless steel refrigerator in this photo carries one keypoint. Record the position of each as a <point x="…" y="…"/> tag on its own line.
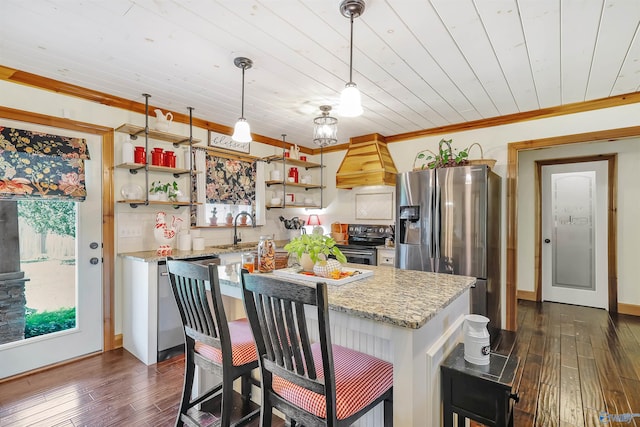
<point x="448" y="221"/>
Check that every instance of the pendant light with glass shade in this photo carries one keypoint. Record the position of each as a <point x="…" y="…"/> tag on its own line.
<point x="350" y="99"/>
<point x="242" y="131"/>
<point x="325" y="128"/>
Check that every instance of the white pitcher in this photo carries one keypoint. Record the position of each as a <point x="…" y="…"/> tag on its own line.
<point x="162" y="120"/>
<point x="294" y="152"/>
<point x="476" y="339"/>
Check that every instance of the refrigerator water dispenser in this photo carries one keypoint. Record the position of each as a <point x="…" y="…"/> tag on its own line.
<point x="410" y="230"/>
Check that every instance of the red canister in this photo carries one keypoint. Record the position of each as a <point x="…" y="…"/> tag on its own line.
<point x="169" y="159"/>
<point x="157" y="157"/>
<point x="293" y="173"/>
<point x="139" y="155"/>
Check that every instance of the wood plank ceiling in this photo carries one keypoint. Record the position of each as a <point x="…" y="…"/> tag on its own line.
<point x="420" y="64"/>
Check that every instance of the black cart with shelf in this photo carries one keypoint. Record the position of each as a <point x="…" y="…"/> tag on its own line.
<point x="483" y="393"/>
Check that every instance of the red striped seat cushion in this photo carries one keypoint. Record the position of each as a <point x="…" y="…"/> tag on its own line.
<point x="242" y="345"/>
<point x="360" y="379"/>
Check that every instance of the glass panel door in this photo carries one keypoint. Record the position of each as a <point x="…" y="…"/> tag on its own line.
<point x="574" y="233"/>
<point x="61" y="255"/>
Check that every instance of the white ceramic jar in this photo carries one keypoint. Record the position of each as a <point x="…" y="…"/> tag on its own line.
<point x="127" y="151"/>
<point x="476" y="339"/>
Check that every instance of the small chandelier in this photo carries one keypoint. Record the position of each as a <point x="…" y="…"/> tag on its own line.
<point x="242" y="131"/>
<point x="350" y="99"/>
<point x="325" y="129"/>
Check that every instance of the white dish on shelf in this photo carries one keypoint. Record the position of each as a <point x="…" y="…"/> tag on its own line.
<point x="131" y="192"/>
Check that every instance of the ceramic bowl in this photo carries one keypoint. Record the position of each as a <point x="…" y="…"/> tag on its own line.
<point x="276" y="201"/>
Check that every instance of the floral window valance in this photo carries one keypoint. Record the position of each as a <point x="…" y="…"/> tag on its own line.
<point x="38" y="165"/>
<point x="230" y="181"/>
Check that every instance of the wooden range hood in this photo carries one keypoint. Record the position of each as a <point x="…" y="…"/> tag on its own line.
<point x="367" y="162"/>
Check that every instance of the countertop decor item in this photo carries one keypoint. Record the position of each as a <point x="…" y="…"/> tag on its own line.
<point x="317" y="246"/>
<point x="165" y="233"/>
<point x="346" y="275"/>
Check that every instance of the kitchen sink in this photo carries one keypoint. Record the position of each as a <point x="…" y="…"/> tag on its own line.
<point x="240" y="246"/>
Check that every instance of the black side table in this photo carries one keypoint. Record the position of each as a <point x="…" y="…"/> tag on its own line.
<point x="482" y="393"/>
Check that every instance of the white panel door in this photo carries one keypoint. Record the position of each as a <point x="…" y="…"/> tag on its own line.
<point x="574" y="233"/>
<point x="82" y="285"/>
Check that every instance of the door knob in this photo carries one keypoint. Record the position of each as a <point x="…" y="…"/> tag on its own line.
<point x="547" y="240"/>
<point x="94" y="260"/>
<point x="94" y="245"/>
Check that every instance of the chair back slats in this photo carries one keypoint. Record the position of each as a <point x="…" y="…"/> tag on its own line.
<point x="189" y="281"/>
<point x="296" y="351"/>
<point x="272" y="331"/>
<point x="305" y="340"/>
<point x="277" y="308"/>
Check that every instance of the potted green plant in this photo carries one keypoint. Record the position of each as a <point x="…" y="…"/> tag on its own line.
<point x="158" y="191"/>
<point x="446" y="157"/>
<point x="313" y="249"/>
<point x="172" y="191"/>
<point x="213" y="219"/>
<point x="163" y="191"/>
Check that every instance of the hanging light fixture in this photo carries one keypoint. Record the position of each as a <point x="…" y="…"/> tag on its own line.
<point x="242" y="131"/>
<point x="350" y="99"/>
<point x="325" y="129"/>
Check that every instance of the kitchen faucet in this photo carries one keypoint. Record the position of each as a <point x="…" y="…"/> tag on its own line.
<point x="235" y="225"/>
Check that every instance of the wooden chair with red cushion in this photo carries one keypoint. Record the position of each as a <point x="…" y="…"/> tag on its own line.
<point x="226" y="349"/>
<point x="313" y="384"/>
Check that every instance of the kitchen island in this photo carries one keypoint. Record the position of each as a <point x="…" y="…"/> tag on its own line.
<point x="410" y="318"/>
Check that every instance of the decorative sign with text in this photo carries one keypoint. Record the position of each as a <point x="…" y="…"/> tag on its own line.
<point x="219" y="140"/>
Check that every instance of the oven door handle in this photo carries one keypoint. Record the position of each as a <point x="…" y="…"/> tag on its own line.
<point x="346" y="252"/>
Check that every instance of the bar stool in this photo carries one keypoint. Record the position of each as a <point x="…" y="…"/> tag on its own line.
<point x="226" y="349"/>
<point x="313" y="384"/>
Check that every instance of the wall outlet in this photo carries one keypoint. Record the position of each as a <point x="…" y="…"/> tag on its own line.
<point x="130" y="230"/>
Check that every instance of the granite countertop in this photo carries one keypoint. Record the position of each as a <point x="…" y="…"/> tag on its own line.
<point x="404" y="298"/>
<point x="152" y="256"/>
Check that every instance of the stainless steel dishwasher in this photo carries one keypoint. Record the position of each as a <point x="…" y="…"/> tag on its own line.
<point x="170" y="333"/>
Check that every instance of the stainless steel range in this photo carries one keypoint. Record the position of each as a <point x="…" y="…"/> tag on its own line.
<point x="363" y="239"/>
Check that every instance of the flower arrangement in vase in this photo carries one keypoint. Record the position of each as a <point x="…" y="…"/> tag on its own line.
<point x="313" y="252"/>
<point x="213" y="219"/>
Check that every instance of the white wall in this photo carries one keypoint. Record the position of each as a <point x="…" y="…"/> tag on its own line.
<point x="340" y="204"/>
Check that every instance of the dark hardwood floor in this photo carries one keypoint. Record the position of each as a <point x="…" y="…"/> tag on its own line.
<point x="111" y="389"/>
<point x="576" y="363"/>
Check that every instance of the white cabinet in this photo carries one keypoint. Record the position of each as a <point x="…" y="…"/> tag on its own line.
<point x="386" y="256"/>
